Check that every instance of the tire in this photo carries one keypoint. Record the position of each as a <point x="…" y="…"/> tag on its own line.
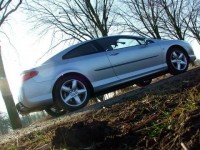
<point x="71" y="93"/>
<point x="54" y="112"/>
<point x="177" y="61"/>
<point x="144" y="83"/>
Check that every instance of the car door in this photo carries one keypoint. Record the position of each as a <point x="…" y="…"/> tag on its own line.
<point x="91" y="61"/>
<point x="130" y="57"/>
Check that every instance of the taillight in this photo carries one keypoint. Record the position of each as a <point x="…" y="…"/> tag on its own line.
<point x="29" y="75"/>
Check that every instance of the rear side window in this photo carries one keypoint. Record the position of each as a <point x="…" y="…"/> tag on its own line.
<point x="82" y="50"/>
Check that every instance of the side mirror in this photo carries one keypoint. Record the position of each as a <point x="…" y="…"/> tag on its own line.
<point x="145" y="41"/>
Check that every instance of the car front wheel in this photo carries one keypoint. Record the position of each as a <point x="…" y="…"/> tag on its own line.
<point x="71" y="93"/>
<point x="177" y="61"/>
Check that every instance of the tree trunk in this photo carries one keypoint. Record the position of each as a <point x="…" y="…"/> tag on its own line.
<point x="8" y="98"/>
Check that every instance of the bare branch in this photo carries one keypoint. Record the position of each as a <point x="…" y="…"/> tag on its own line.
<point x="172" y="20"/>
<point x="142" y="17"/>
<point x="7" y="7"/>
<point x="77" y="19"/>
<point x="193" y="20"/>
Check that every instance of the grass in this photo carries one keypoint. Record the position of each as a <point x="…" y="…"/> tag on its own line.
<point x="162" y="118"/>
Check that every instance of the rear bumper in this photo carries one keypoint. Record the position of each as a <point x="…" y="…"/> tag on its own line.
<point x="33" y="96"/>
<point x="22" y="109"/>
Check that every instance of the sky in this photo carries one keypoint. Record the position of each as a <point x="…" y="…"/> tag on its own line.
<point x="21" y="50"/>
<point x="24" y="47"/>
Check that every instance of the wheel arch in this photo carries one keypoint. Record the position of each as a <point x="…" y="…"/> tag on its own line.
<point x="73" y="74"/>
<point x="173" y="70"/>
<point x="176" y="46"/>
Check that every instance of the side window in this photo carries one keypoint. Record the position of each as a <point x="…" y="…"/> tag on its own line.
<point x="126" y="42"/>
<point x="82" y="50"/>
<point x="107" y="43"/>
<point x="114" y="43"/>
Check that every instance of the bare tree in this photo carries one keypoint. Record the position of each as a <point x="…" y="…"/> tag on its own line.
<point x="142" y="17"/>
<point x="173" y="18"/>
<point x="161" y="18"/>
<point x="78" y="19"/>
<point x="7" y="7"/>
<point x="193" y="21"/>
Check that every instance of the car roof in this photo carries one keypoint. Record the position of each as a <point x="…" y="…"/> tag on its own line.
<point x="58" y="55"/>
<point x="78" y="44"/>
<point x="104" y="37"/>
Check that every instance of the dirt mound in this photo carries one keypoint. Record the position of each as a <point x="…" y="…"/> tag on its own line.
<point x="130" y="130"/>
<point x="81" y="134"/>
<point x="164" y="115"/>
<point x="155" y="122"/>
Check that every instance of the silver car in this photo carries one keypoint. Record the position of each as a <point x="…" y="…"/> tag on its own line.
<point x="67" y="80"/>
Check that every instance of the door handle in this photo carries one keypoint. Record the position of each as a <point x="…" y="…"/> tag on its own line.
<point x="114" y="54"/>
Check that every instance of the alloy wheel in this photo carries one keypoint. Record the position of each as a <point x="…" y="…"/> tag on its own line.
<point x="179" y="60"/>
<point x="73" y="92"/>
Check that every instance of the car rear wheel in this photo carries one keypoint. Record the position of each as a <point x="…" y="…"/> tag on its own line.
<point x="55" y="112"/>
<point x="177" y="61"/>
<point x="144" y="83"/>
<point x="71" y="93"/>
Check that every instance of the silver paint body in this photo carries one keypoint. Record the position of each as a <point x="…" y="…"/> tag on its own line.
<point x="104" y="70"/>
